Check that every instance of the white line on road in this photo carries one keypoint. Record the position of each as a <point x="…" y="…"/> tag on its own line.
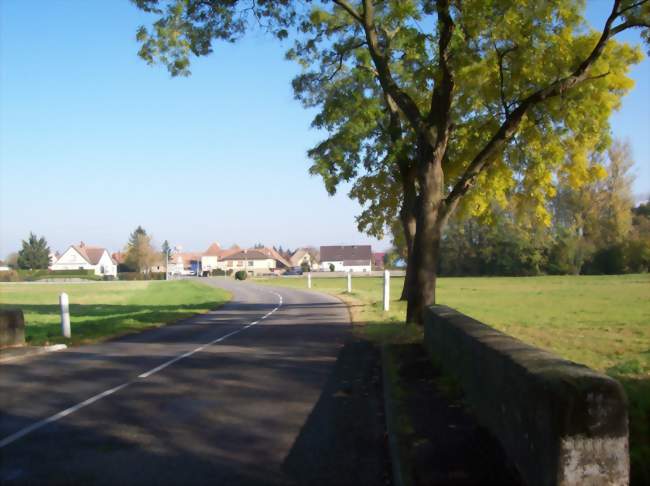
<point x="64" y="413"/>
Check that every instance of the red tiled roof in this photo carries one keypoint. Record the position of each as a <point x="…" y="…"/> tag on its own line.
<point x="214" y="250"/>
<point x="92" y="254"/>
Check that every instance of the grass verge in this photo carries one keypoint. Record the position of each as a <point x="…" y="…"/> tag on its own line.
<point x="600" y="321"/>
<point x="101" y="311"/>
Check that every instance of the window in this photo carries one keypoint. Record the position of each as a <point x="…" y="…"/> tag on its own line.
<point x="230" y="263"/>
<point x="250" y="263"/>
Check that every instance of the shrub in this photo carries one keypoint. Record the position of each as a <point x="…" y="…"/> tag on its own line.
<point x="10" y="276"/>
<point x="332" y="267"/>
<point x="217" y="272"/>
<point x="229" y="272"/>
<point x="241" y="275"/>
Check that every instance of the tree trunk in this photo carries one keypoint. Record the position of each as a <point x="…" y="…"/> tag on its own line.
<point x="426" y="248"/>
<point x="408" y="217"/>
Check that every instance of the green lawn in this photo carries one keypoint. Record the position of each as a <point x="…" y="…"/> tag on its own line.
<point x="102" y="310"/>
<point x="600" y="321"/>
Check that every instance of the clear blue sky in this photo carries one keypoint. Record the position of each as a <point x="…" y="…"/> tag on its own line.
<point x="93" y="142"/>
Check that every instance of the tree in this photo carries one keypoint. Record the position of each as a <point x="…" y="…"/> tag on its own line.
<point x="140" y="254"/>
<point x="493" y="97"/>
<point x="166" y="250"/>
<point x="12" y="260"/>
<point x="35" y="254"/>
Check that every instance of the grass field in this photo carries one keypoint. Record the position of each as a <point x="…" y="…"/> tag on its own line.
<point x="600" y="321"/>
<point x="102" y="310"/>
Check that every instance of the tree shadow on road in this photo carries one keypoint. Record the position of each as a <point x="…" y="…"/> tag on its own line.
<point x="343" y="440"/>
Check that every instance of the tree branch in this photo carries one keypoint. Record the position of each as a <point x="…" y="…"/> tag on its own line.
<point x="441" y="98"/>
<point x="350" y="10"/>
<point x="380" y="59"/>
<point x="511" y="124"/>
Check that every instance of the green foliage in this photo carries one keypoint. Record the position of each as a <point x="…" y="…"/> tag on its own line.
<point x="35" y="254"/>
<point x="130" y="276"/>
<point x="304" y="266"/>
<point x="140" y="254"/>
<point x="165" y="250"/>
<point x="241" y="275"/>
<point x="332" y="267"/>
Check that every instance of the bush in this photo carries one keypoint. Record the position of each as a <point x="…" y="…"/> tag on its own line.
<point x="10" y="276"/>
<point x="229" y="272"/>
<point x="217" y="272"/>
<point x="241" y="275"/>
<point x="332" y="267"/>
<point x="608" y="261"/>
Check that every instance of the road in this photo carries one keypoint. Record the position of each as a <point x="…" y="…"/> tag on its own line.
<point x="269" y="389"/>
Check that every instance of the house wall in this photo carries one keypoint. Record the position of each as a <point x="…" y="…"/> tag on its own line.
<point x="339" y="267"/>
<point x="105" y="266"/>
<point x="71" y="260"/>
<point x="209" y="262"/>
<point x="257" y="267"/>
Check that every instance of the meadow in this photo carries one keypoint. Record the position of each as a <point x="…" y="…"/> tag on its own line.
<point x="600" y="321"/>
<point x="103" y="310"/>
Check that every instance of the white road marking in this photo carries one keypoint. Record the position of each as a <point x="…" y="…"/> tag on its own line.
<point x="64" y="413"/>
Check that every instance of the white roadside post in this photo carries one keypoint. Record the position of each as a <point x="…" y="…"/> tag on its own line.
<point x="308" y="280"/>
<point x="349" y="282"/>
<point x="65" y="314"/>
<point x="386" y="290"/>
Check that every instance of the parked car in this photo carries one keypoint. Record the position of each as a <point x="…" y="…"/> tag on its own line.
<point x="294" y="271"/>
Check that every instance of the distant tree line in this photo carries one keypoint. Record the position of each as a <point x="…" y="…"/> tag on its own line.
<point x="593" y="230"/>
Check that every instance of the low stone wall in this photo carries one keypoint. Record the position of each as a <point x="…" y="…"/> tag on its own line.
<point x="12" y="328"/>
<point x="560" y="423"/>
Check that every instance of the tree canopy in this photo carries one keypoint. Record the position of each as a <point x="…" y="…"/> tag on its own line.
<point x="435" y="105"/>
<point x="34" y="254"/>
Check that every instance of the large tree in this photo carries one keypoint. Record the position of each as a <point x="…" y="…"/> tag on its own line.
<point x="140" y="253"/>
<point x="498" y="99"/>
<point x="35" y="254"/>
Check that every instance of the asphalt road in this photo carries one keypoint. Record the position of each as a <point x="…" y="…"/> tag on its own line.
<point x="269" y="389"/>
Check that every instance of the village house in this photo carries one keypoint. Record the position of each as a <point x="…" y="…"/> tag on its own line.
<point x="305" y="256"/>
<point x="86" y="257"/>
<point x="257" y="261"/>
<point x="351" y="258"/>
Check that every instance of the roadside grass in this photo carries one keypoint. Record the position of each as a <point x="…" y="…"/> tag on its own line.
<point x="105" y="310"/>
<point x="600" y="321"/>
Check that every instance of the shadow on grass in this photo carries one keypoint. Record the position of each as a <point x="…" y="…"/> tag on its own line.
<point x="94" y="322"/>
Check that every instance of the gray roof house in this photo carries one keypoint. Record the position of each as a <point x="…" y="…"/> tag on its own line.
<point x="354" y="258"/>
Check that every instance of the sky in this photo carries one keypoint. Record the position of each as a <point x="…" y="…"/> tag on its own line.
<point x="93" y="142"/>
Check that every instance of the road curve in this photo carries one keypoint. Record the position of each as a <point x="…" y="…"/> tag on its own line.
<point x="246" y="394"/>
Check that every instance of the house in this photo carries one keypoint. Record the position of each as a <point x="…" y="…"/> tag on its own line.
<point x="210" y="258"/>
<point x="351" y="258"/>
<point x="307" y="256"/>
<point x="378" y="259"/>
<point x="185" y="263"/>
<point x="281" y="263"/>
<point x="254" y="262"/>
<point x="86" y="257"/>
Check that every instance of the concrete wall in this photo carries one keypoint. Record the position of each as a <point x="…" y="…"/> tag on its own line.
<point x="12" y="328"/>
<point x="559" y="422"/>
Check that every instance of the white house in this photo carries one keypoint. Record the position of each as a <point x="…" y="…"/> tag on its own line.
<point x="351" y="258"/>
<point x="253" y="262"/>
<point x="85" y="257"/>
